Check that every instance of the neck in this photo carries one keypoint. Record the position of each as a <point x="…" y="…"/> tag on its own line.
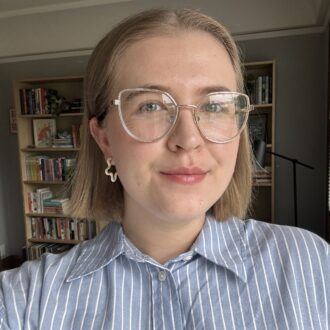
<point x="161" y="240"/>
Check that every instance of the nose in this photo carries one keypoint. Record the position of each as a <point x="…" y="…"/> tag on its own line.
<point x="185" y="134"/>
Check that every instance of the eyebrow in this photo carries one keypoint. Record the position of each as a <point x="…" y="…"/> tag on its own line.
<point x="201" y="90"/>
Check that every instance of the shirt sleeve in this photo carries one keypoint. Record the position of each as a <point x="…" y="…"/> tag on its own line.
<point x="15" y="292"/>
<point x="3" y="321"/>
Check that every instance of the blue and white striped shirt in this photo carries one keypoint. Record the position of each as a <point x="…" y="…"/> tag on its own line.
<point x="237" y="275"/>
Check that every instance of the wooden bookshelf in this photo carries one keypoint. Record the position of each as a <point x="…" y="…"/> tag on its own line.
<point x="263" y="206"/>
<point x="69" y="89"/>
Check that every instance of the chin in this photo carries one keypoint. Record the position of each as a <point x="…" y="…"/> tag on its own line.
<point x="183" y="215"/>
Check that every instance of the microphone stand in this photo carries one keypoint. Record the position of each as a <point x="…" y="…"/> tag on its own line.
<point x="294" y="162"/>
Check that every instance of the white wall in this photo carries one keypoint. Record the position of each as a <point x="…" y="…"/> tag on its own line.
<point x="80" y="28"/>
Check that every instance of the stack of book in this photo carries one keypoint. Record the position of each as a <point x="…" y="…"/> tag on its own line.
<point x="67" y="139"/>
<point x="62" y="140"/>
<point x="76" y="105"/>
<point x="262" y="175"/>
<point x="36" y="250"/>
<point x="55" y="206"/>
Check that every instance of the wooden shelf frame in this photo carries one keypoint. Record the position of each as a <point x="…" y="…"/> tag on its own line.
<point x="266" y="191"/>
<point x="70" y="88"/>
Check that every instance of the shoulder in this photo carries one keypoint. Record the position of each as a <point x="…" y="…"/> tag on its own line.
<point x="21" y="289"/>
<point x="57" y="266"/>
<point x="285" y="237"/>
<point x="291" y="247"/>
<point x="39" y="269"/>
<point x="25" y="291"/>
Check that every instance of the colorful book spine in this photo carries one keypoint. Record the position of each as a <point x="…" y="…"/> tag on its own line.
<point x="62" y="228"/>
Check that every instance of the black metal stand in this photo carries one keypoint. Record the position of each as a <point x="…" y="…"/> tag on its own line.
<point x="294" y="164"/>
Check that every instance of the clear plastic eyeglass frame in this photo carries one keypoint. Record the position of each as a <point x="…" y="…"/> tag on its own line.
<point x="244" y="111"/>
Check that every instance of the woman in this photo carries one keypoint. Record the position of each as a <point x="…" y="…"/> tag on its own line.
<point x="166" y="155"/>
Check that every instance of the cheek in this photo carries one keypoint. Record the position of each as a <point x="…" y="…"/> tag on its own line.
<point x="234" y="151"/>
<point x="226" y="154"/>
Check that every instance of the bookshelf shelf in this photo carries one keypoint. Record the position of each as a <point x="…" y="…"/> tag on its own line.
<point x="46" y="215"/>
<point x="260" y="86"/>
<point x="262" y="184"/>
<point x="71" y="114"/>
<point x="27" y="182"/>
<point x="263" y="106"/>
<point x="48" y="145"/>
<point x="46" y="240"/>
<point x="32" y="149"/>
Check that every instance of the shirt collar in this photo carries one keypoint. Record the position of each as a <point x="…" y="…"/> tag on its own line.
<point x="98" y="252"/>
<point x="219" y="242"/>
<point x="223" y="243"/>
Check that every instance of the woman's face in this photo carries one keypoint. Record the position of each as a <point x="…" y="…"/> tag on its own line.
<point x="179" y="177"/>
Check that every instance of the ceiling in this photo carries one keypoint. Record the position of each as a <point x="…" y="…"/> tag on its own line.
<point x="23" y="21"/>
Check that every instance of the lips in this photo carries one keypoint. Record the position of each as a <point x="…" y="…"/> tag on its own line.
<point x="185" y="175"/>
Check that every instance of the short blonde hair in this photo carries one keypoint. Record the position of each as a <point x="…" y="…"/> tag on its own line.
<point x="93" y="196"/>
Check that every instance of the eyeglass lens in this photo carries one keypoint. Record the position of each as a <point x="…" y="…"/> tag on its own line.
<point x="148" y="115"/>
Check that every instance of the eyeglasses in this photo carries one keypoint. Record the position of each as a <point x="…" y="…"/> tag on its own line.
<point x="147" y="115"/>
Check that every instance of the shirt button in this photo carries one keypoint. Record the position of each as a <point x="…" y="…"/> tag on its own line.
<point x="187" y="258"/>
<point x="162" y="275"/>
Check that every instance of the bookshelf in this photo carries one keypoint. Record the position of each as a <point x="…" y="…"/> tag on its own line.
<point x="47" y="156"/>
<point x="260" y="86"/>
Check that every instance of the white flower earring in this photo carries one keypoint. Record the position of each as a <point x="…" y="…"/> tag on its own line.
<point x="113" y="175"/>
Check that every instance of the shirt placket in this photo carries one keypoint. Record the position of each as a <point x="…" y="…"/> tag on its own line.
<point x="166" y="309"/>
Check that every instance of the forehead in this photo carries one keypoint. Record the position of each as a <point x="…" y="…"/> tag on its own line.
<point x="185" y="61"/>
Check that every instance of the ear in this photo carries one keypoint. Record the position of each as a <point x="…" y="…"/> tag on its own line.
<point x="99" y="134"/>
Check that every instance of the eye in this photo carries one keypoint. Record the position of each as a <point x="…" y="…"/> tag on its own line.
<point x="213" y="107"/>
<point x="151" y="107"/>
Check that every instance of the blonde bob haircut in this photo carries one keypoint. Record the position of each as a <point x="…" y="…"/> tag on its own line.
<point x="93" y="195"/>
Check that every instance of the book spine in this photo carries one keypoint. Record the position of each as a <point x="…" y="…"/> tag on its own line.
<point x="270" y="89"/>
<point x="263" y="89"/>
<point x="259" y="90"/>
<point x="74" y="135"/>
<point x="33" y="101"/>
<point x="29" y="202"/>
<point x="22" y="95"/>
<point x="33" y="227"/>
<point x="37" y="101"/>
<point x="267" y="89"/>
<point x="28" y="95"/>
<point x="41" y="101"/>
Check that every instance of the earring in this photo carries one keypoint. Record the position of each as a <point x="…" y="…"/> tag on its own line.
<point x="113" y="175"/>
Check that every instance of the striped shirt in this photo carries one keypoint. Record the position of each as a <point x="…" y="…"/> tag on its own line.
<point x="237" y="275"/>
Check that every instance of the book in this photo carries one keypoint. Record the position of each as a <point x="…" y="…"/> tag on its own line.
<point x="75" y="132"/>
<point x="44" y="131"/>
<point x="42" y="194"/>
<point x="23" y="101"/>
